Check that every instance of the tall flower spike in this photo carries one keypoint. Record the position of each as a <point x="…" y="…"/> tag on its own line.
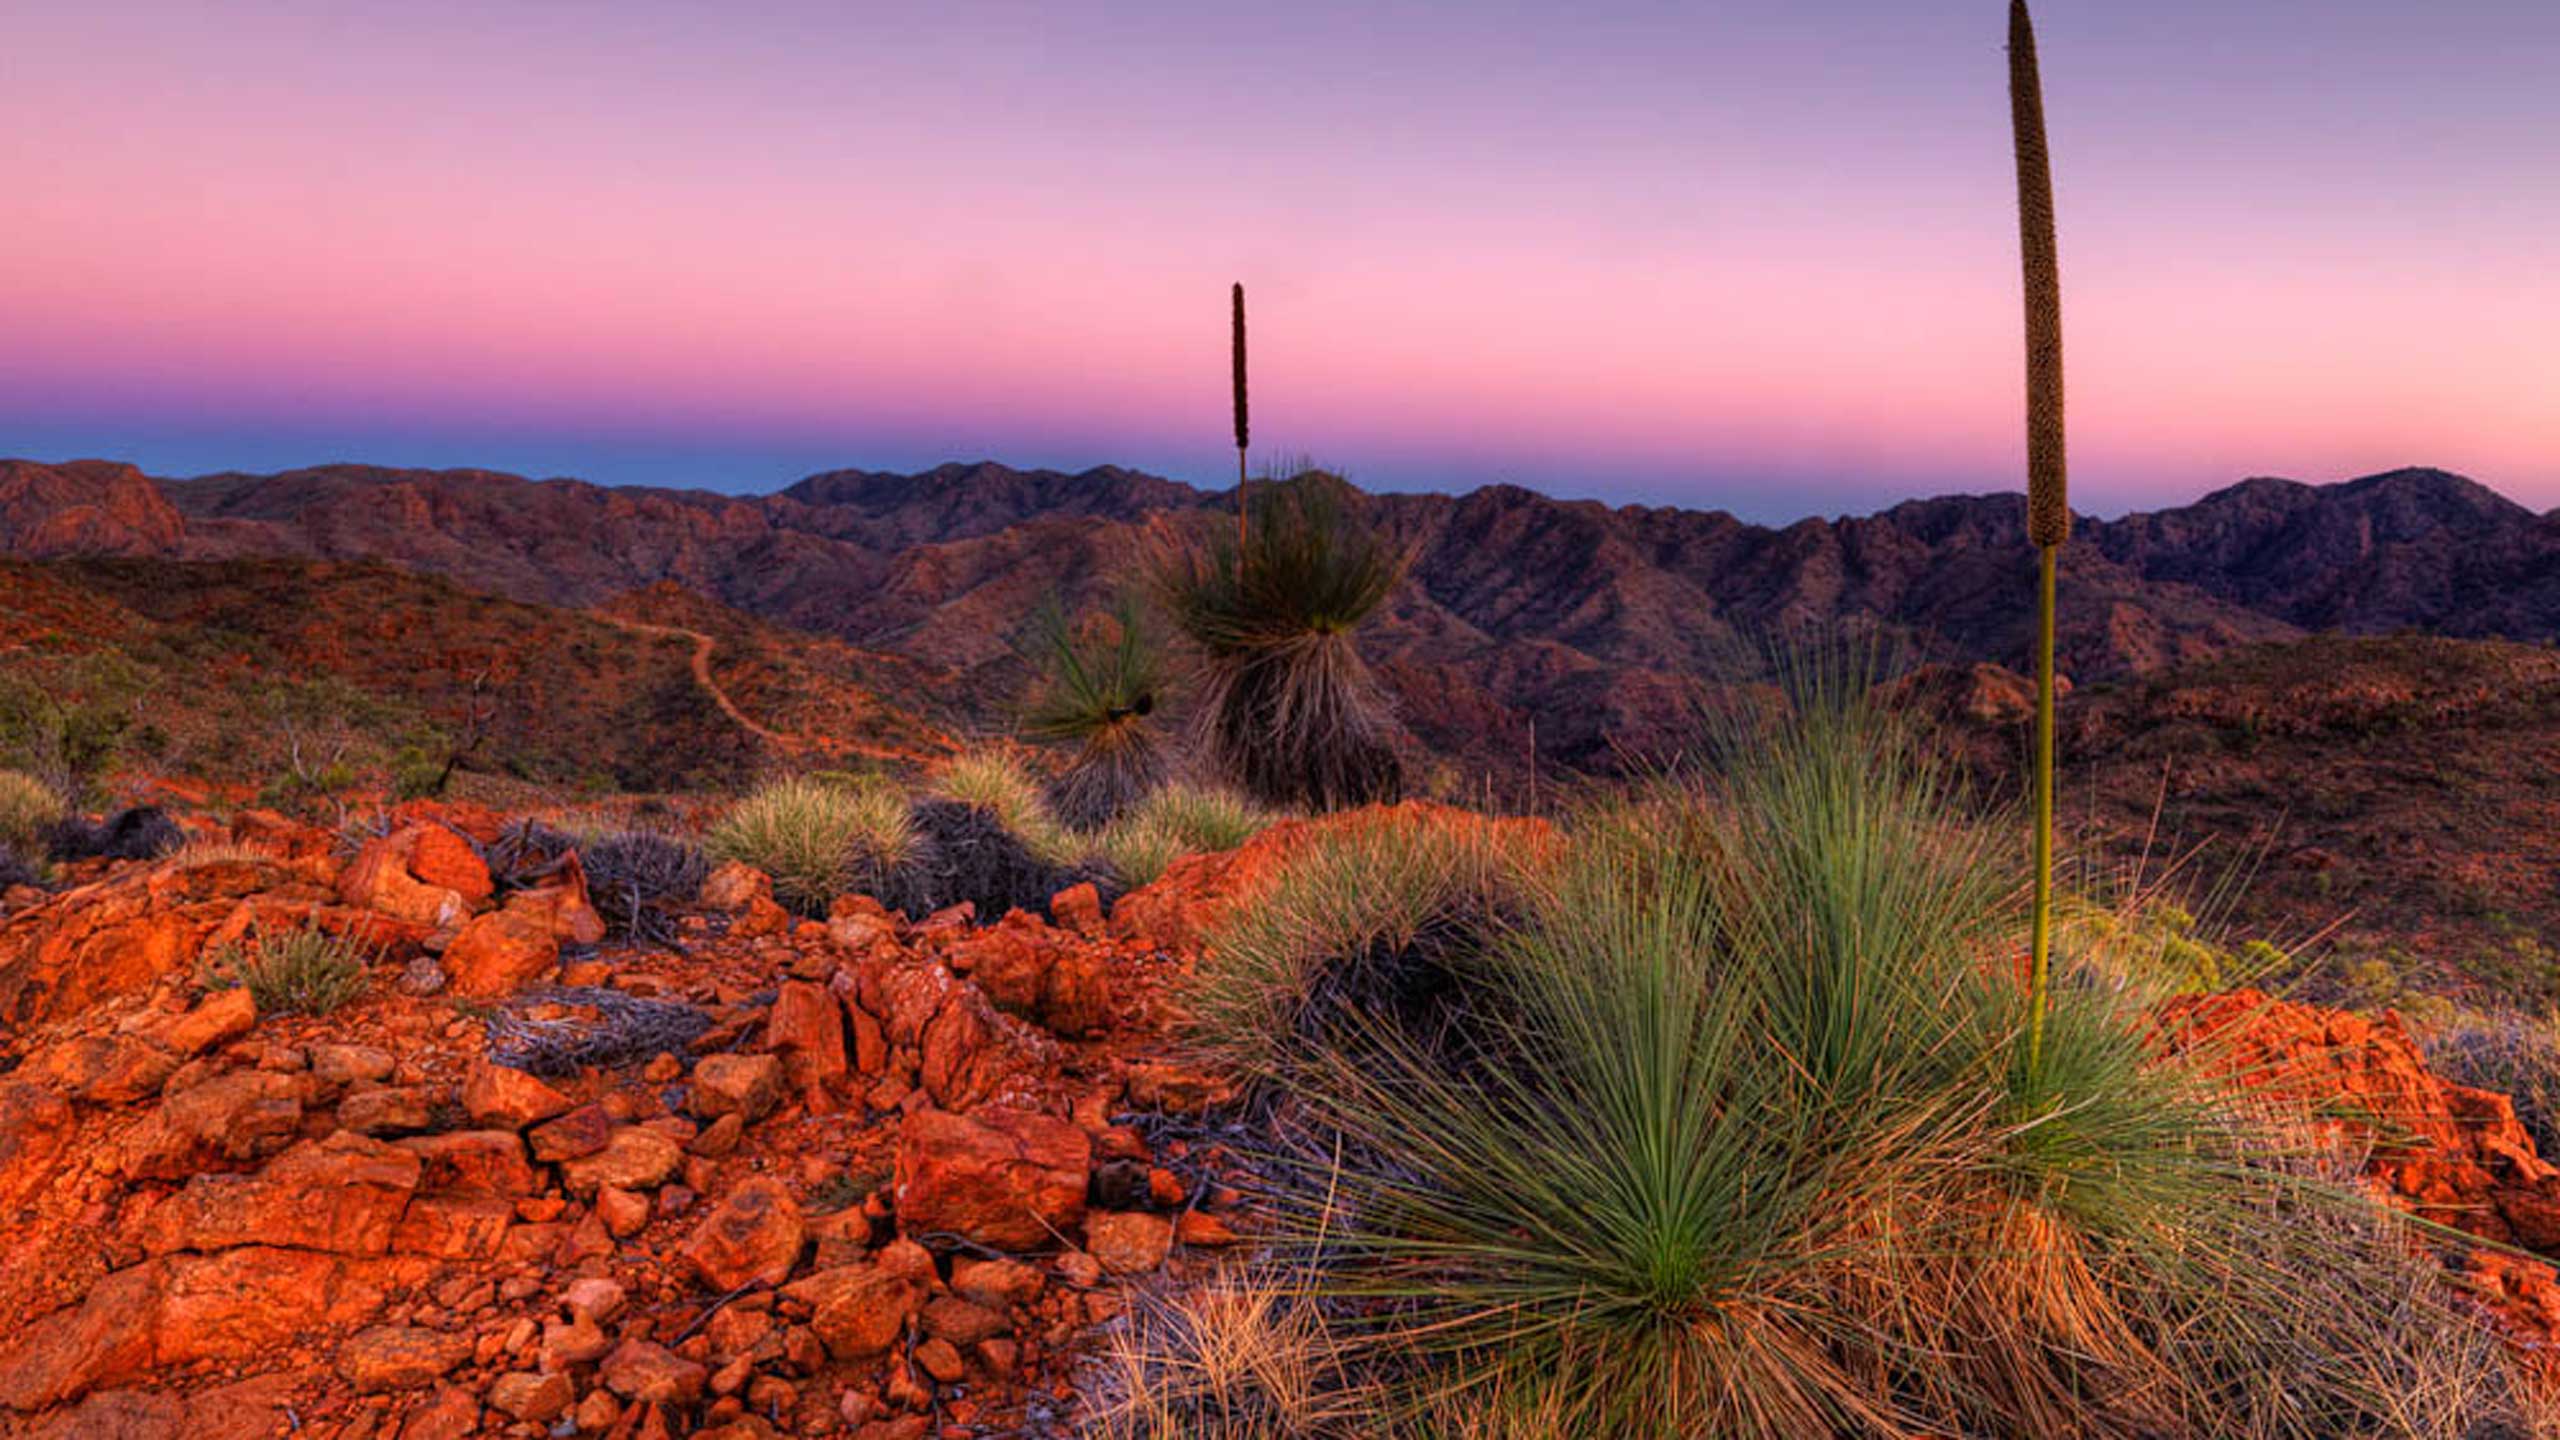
<point x="1242" y="429"/>
<point x="2048" y="503"/>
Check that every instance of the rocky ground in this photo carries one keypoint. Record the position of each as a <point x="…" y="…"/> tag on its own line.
<point x="857" y="1176"/>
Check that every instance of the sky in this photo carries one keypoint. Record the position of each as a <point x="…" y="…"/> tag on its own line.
<point x="1751" y="254"/>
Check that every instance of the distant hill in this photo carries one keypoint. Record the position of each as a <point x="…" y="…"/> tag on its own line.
<point x="1598" y="621"/>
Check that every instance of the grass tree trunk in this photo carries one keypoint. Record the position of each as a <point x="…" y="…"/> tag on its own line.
<point x="2048" y="506"/>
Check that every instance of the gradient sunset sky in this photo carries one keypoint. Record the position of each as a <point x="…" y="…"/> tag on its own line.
<point x="1756" y="254"/>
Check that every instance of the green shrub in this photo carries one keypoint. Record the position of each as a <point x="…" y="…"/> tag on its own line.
<point x="1175" y="821"/>
<point x="1099" y="687"/>
<point x="1289" y="713"/>
<point x="815" y="839"/>
<point x="306" y="971"/>
<point x="1722" y="1124"/>
<point x="28" y="807"/>
<point x="1367" y="917"/>
<point x="998" y="781"/>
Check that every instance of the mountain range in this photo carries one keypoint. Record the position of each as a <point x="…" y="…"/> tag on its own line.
<point x="1597" y="623"/>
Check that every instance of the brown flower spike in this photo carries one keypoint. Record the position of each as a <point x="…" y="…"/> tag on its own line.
<point x="2048" y="503"/>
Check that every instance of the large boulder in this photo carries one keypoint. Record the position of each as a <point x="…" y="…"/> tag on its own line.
<point x="753" y="1235"/>
<point x="124" y="933"/>
<point x="1010" y="1179"/>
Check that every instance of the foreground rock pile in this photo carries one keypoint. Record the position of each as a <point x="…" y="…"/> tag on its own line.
<point x="2451" y="1154"/>
<point x="858" y="1177"/>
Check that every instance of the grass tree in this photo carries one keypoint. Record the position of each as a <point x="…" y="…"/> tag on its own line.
<point x="1099" y="688"/>
<point x="1289" y="714"/>
<point x="2048" y="505"/>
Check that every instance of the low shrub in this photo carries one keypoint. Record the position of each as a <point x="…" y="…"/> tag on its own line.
<point x="1099" y="691"/>
<point x="2512" y="1054"/>
<point x="1363" y="921"/>
<point x="17" y="870"/>
<point x="556" y="1031"/>
<point x="28" y="808"/>
<point x="1721" y="1124"/>
<point x="819" y="841"/>
<point x="1175" y="821"/>
<point x="635" y="876"/>
<point x="143" y="832"/>
<point x="965" y="852"/>
<point x="305" y="971"/>
<point x="1001" y="783"/>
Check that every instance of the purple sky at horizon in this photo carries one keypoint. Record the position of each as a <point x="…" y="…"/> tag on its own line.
<point x="1750" y="254"/>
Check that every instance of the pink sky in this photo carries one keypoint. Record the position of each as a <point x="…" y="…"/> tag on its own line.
<point x="1754" y="254"/>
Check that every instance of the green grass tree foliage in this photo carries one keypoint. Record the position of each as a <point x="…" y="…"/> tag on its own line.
<point x="1726" y="1130"/>
<point x="1100" y="686"/>
<point x="1287" y="711"/>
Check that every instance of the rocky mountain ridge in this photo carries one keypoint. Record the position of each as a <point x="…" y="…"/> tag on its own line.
<point x="1598" y="621"/>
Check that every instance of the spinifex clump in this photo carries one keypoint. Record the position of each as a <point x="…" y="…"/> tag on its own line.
<point x="1288" y="711"/>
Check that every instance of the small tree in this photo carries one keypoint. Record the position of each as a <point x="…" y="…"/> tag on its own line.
<point x="1099" y="687"/>
<point x="1288" y="712"/>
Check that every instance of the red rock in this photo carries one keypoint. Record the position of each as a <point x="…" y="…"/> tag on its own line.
<point x="452" y="1413"/>
<point x="624" y="1214"/>
<point x="460" y="1226"/>
<point x="634" y="1157"/>
<point x="748" y="1086"/>
<point x="498" y="953"/>
<point x="185" y="1309"/>
<point x="806" y="1030"/>
<point x="734" y="886"/>
<point x="560" y="905"/>
<point x="755" y="1234"/>
<point x="483" y="1162"/>
<point x="121" y="934"/>
<point x="398" y="1357"/>
<point x="390" y="1109"/>
<point x="577" y="1340"/>
<point x="1006" y="1178"/>
<point x="1079" y="908"/>
<point x="223" y="1016"/>
<point x="582" y="1131"/>
<point x="501" y="1096"/>
<point x="858" y="1311"/>
<point x="641" y="1371"/>
<point x="1200" y="1228"/>
<point x="1128" y="1242"/>
<point x="940" y="1360"/>
<point x="995" y="1283"/>
<point x="343" y="1194"/>
<point x="36" y="1129"/>
<point x="379" y="879"/>
<point x="962" y="1322"/>
<point x="533" y="1398"/>
<point x="102" y="1069"/>
<point x="441" y="858"/>
<point x="1177" y="1090"/>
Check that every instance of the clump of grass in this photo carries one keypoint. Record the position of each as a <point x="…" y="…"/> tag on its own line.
<point x="998" y="781"/>
<point x="143" y="832"/>
<point x="221" y="852"/>
<point x="1288" y="713"/>
<point x="28" y="807"/>
<point x="635" y="876"/>
<point x="2515" y="1055"/>
<point x="817" y="840"/>
<point x="17" y="870"/>
<point x="1175" y="821"/>
<point x="1099" y="688"/>
<point x="1723" y="1125"/>
<point x="1380" y="919"/>
<point x="304" y="971"/>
